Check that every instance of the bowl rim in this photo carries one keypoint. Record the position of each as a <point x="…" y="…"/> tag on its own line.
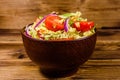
<point x="23" y="33"/>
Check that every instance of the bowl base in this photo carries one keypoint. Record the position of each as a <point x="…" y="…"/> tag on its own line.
<point x="50" y="73"/>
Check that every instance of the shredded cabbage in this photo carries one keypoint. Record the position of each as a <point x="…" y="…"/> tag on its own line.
<point x="41" y="32"/>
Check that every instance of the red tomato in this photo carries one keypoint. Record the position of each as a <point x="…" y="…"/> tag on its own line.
<point x="53" y="23"/>
<point x="83" y="25"/>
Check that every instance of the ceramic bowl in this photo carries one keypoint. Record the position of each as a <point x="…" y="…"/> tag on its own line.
<point x="59" y="58"/>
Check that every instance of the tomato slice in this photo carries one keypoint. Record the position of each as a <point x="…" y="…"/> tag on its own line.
<point x="83" y="25"/>
<point x="54" y="23"/>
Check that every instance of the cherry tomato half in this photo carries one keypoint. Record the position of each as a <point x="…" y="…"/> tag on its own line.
<point x="83" y="25"/>
<point x="54" y="23"/>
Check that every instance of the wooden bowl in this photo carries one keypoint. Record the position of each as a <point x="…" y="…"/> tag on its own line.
<point x="59" y="58"/>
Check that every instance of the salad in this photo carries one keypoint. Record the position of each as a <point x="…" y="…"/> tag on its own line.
<point x="68" y="26"/>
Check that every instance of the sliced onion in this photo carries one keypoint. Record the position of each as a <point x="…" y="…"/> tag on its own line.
<point x="66" y="24"/>
<point x="43" y="19"/>
<point x="27" y="31"/>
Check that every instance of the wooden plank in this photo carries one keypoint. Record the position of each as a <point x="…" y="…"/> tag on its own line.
<point x="16" y="14"/>
<point x="10" y="52"/>
<point x="90" y="62"/>
<point x="98" y="73"/>
<point x="85" y="72"/>
<point x="20" y="73"/>
<point x="32" y="73"/>
<point x="105" y="55"/>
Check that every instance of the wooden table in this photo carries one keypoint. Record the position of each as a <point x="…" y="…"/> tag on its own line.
<point x="104" y="64"/>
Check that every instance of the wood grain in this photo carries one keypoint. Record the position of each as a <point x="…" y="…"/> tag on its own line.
<point x="91" y="70"/>
<point x="104" y="63"/>
<point x="16" y="14"/>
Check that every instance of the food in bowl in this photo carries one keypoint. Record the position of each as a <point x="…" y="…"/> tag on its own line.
<point x="59" y="50"/>
<point x="54" y="26"/>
